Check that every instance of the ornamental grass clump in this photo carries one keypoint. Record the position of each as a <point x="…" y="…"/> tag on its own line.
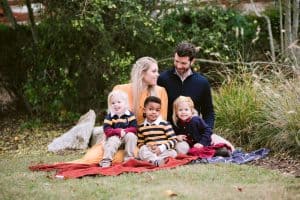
<point x="282" y="107"/>
<point x="239" y="110"/>
<point x="253" y="111"/>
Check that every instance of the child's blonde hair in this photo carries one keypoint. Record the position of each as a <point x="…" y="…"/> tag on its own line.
<point x="176" y="103"/>
<point x="119" y="95"/>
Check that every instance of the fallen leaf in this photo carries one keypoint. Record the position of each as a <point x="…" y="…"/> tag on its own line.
<point x="170" y="193"/>
<point x="240" y="189"/>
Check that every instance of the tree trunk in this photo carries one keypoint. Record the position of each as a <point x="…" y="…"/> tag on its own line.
<point x="295" y="19"/>
<point x="287" y="25"/>
<point x="31" y="18"/>
<point x="272" y="49"/>
<point x="8" y="13"/>
<point x="281" y="28"/>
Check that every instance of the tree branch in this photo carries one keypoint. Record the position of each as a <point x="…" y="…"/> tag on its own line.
<point x="272" y="49"/>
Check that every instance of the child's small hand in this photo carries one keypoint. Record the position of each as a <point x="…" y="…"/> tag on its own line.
<point x="157" y="151"/>
<point x="181" y="137"/>
<point x="123" y="133"/>
<point x="198" y="145"/>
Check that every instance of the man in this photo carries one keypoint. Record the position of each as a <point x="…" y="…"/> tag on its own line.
<point x="181" y="80"/>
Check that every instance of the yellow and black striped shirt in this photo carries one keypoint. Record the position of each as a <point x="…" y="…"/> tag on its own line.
<point x="157" y="134"/>
<point x="113" y="124"/>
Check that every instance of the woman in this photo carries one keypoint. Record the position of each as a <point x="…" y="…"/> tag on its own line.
<point x="143" y="83"/>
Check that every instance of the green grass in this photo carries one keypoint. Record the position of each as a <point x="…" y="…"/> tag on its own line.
<point x="209" y="181"/>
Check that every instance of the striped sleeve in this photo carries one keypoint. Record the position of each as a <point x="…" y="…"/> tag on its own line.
<point x="141" y="137"/>
<point x="170" y="135"/>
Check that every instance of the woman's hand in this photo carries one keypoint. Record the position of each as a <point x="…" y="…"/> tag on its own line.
<point x="198" y="145"/>
<point x="181" y="137"/>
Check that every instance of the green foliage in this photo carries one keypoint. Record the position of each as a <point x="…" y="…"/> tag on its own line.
<point x="73" y="68"/>
<point x="85" y="48"/>
<point x="222" y="34"/>
<point x="31" y="124"/>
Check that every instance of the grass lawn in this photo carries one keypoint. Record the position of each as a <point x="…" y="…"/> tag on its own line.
<point x="201" y="181"/>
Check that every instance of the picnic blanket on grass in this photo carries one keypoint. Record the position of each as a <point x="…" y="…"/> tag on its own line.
<point x="74" y="170"/>
<point x="77" y="170"/>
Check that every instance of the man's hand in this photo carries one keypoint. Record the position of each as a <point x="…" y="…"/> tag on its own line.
<point x="181" y="137"/>
<point x="198" y="145"/>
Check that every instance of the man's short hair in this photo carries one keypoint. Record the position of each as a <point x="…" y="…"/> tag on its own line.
<point x="186" y="49"/>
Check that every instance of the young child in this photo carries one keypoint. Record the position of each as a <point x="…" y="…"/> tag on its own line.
<point x="156" y="137"/>
<point x="120" y="126"/>
<point x="191" y="130"/>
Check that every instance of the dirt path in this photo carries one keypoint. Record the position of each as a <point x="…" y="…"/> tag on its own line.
<point x="284" y="164"/>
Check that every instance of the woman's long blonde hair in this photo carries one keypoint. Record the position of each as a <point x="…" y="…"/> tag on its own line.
<point x="137" y="76"/>
<point x="176" y="103"/>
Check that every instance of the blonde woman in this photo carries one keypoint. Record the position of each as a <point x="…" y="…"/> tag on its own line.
<point x="143" y="83"/>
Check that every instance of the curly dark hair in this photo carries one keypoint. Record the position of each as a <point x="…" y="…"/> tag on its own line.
<point x="152" y="99"/>
<point x="186" y="49"/>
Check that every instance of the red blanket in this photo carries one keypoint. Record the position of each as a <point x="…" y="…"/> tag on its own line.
<point x="71" y="170"/>
<point x="207" y="152"/>
<point x="74" y="170"/>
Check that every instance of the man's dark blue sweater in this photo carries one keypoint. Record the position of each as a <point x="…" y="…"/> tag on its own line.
<point x="195" y="86"/>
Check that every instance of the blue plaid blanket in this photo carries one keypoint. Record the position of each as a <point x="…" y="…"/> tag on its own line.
<point x="237" y="157"/>
<point x="240" y="157"/>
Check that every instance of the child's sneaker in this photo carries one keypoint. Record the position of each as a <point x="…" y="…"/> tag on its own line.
<point x="105" y="163"/>
<point x="128" y="158"/>
<point x="158" y="163"/>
